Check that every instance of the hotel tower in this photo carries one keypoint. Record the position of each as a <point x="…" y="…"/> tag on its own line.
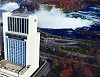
<point x="21" y="42"/>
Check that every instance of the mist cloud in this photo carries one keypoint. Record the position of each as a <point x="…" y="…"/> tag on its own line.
<point x="56" y="19"/>
<point x="10" y="6"/>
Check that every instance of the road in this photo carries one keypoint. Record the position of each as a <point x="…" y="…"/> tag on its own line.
<point x="59" y="41"/>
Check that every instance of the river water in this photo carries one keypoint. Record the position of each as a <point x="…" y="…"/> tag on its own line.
<point x="91" y="13"/>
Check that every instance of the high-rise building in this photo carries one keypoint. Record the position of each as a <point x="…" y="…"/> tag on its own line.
<point x="21" y="41"/>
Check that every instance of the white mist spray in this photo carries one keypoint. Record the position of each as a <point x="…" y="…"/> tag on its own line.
<point x="56" y="19"/>
<point x="10" y="6"/>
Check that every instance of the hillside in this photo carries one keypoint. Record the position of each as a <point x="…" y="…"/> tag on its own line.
<point x="66" y="5"/>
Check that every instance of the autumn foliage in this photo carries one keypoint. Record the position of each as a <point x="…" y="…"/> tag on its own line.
<point x="66" y="72"/>
<point x="68" y="67"/>
<point x="85" y="72"/>
<point x="66" y="5"/>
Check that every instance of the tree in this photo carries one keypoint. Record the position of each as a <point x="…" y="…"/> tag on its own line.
<point x="85" y="72"/>
<point x="66" y="72"/>
<point x="55" y="63"/>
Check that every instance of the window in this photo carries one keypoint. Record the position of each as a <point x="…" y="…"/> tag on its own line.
<point x="17" y="51"/>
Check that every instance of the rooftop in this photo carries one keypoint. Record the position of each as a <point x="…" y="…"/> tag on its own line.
<point x="21" y="14"/>
<point x="10" y="66"/>
<point x="4" y="64"/>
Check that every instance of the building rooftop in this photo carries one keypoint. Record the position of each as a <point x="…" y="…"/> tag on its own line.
<point x="10" y="66"/>
<point x="20" y="14"/>
<point x="4" y="64"/>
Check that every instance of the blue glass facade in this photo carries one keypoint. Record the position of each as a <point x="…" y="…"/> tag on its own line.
<point x="16" y="51"/>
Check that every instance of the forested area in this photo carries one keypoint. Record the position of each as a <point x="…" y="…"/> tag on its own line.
<point x="65" y="5"/>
